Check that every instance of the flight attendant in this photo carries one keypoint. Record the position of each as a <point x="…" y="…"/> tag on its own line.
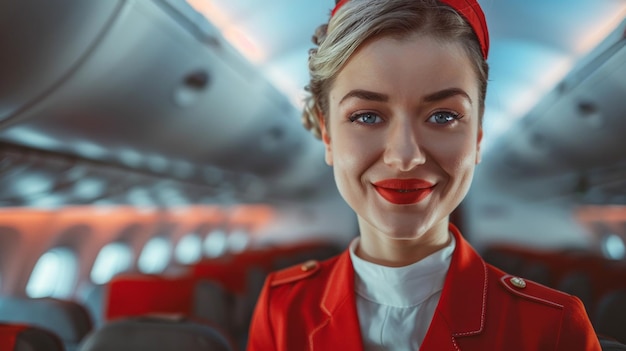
<point x="397" y="95"/>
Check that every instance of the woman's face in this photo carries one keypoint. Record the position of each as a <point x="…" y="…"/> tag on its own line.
<point x="403" y="135"/>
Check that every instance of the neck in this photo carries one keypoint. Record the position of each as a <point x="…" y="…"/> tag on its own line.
<point x="387" y="250"/>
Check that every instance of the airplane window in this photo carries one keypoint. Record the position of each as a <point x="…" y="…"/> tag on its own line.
<point x="54" y="274"/>
<point x="155" y="256"/>
<point x="613" y="247"/>
<point x="238" y="240"/>
<point x="112" y="259"/>
<point x="189" y="249"/>
<point x="215" y="243"/>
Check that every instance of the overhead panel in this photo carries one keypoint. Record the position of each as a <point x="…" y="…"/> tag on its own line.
<point x="42" y="43"/>
<point x="153" y="80"/>
<point x="579" y="125"/>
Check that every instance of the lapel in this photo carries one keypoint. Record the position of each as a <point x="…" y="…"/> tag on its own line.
<point x="439" y="336"/>
<point x="340" y="329"/>
<point x="462" y="306"/>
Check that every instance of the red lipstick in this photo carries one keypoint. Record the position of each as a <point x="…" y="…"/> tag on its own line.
<point x="403" y="191"/>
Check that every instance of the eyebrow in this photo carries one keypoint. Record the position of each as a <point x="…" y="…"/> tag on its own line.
<point x="433" y="97"/>
<point x="447" y="93"/>
<point x="364" y="95"/>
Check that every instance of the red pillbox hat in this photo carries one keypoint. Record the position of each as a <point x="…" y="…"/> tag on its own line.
<point x="470" y="10"/>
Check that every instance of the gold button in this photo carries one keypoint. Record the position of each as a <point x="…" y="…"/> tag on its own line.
<point x="518" y="282"/>
<point x="308" y="265"/>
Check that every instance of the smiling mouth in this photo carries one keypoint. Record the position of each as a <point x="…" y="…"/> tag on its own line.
<point x="403" y="191"/>
<point x="403" y="196"/>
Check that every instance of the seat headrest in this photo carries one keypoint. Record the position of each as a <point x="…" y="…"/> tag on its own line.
<point x="135" y="295"/>
<point x="610" y="317"/>
<point x="21" y="337"/>
<point x="156" y="333"/>
<point x="67" y="319"/>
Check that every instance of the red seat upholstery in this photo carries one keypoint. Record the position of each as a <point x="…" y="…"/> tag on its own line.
<point x="22" y="337"/>
<point x="228" y="273"/>
<point x="138" y="294"/>
<point x="8" y="335"/>
<point x="232" y="271"/>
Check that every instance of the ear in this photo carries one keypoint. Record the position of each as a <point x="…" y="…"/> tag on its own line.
<point x="325" y="139"/>
<point x="479" y="139"/>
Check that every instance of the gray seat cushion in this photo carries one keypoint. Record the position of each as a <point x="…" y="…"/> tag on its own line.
<point x="68" y="320"/>
<point x="156" y="333"/>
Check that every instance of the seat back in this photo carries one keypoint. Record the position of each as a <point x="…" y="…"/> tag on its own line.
<point x="156" y="333"/>
<point x="93" y="300"/>
<point x="610" y="317"/>
<point x="22" y="337"/>
<point x="579" y="284"/>
<point x="213" y="303"/>
<point x="610" y="344"/>
<point x="68" y="320"/>
<point x="138" y="294"/>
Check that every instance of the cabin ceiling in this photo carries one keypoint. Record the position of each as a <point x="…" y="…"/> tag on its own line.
<point x="534" y="44"/>
<point x="204" y="95"/>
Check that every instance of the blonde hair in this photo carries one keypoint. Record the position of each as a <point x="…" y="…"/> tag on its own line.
<point x="360" y="20"/>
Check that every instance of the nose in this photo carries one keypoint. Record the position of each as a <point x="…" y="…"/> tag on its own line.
<point x="403" y="150"/>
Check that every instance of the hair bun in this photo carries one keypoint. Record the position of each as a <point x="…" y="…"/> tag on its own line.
<point x="320" y="34"/>
<point x="309" y="116"/>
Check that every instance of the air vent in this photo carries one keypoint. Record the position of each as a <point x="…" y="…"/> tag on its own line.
<point x="587" y="108"/>
<point x="191" y="88"/>
<point x="198" y="80"/>
<point x="591" y="113"/>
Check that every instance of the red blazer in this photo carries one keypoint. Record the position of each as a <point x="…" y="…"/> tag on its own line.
<point x="312" y="307"/>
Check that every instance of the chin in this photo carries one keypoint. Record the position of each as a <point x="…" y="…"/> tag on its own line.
<point x="397" y="230"/>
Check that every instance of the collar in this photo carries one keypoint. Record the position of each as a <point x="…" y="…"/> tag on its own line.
<point x="405" y="286"/>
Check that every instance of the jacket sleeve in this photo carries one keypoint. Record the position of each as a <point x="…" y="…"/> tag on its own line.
<point x="576" y="331"/>
<point x="261" y="334"/>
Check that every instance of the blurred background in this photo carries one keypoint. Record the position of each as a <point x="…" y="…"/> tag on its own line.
<point x="147" y="136"/>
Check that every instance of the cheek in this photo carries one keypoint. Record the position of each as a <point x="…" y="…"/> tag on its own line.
<point x="352" y="156"/>
<point x="346" y="156"/>
<point x="457" y="156"/>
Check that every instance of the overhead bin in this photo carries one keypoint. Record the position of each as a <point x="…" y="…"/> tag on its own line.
<point x="131" y="81"/>
<point x="38" y="54"/>
<point x="580" y="125"/>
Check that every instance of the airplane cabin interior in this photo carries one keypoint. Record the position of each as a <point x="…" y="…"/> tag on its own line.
<point x="154" y="168"/>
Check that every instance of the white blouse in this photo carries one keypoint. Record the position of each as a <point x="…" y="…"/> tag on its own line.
<point x="396" y="304"/>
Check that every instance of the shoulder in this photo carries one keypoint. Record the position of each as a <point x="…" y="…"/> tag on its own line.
<point x="309" y="270"/>
<point x="545" y="313"/>
<point x="527" y="290"/>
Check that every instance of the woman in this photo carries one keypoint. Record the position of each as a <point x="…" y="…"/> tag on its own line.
<point x="397" y="94"/>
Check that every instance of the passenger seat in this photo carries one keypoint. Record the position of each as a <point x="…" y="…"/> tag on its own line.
<point x="156" y="333"/>
<point x="132" y="295"/>
<point x="610" y="316"/>
<point x="610" y="344"/>
<point x="22" y="337"/>
<point x="68" y="320"/>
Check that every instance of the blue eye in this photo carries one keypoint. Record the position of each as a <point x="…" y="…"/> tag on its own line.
<point x="444" y="117"/>
<point x="366" y="118"/>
